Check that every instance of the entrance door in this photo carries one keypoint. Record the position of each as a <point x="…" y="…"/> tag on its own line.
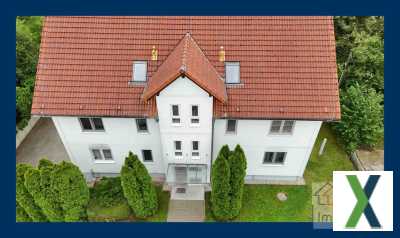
<point x="181" y="174"/>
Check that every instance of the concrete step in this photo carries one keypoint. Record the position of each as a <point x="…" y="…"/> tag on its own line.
<point x="186" y="211"/>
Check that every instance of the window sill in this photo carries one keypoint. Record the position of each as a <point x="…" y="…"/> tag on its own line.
<point x="195" y="157"/>
<point x="176" y="124"/>
<point x="194" y="125"/>
<point x="143" y="132"/>
<point x="92" y="131"/>
<point x="104" y="161"/>
<point x="230" y="133"/>
<point x="273" y="165"/>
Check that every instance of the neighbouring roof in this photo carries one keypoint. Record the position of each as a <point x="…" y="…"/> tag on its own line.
<point x="287" y="65"/>
<point x="187" y="59"/>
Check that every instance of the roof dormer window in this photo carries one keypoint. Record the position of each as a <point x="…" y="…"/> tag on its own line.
<point x="139" y="71"/>
<point x="232" y="72"/>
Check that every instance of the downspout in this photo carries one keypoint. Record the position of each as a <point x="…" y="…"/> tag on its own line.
<point x="212" y="146"/>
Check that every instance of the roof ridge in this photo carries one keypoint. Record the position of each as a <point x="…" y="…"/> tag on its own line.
<point x="215" y="70"/>
<point x="185" y="47"/>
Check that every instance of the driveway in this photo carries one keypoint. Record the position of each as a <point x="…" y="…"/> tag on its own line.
<point x="42" y="141"/>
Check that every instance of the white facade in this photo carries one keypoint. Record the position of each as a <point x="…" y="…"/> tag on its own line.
<point x="184" y="93"/>
<point x="255" y="139"/>
<point x="121" y="136"/>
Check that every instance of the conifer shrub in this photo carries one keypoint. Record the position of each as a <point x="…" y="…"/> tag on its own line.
<point x="238" y="164"/>
<point x="138" y="188"/>
<point x="39" y="184"/>
<point x="220" y="183"/>
<point x="70" y="186"/>
<point x="24" y="198"/>
<point x="21" y="215"/>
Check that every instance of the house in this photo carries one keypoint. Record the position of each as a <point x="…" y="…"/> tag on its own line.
<point x="173" y="90"/>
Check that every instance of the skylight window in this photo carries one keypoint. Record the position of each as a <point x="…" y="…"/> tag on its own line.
<point x="139" y="71"/>
<point x="232" y="72"/>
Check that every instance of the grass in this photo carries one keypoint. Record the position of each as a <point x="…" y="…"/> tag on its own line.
<point x="260" y="202"/>
<point x="107" y="203"/>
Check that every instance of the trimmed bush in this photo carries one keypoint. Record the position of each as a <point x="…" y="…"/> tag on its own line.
<point x="138" y="187"/>
<point x="362" y="117"/>
<point x="220" y="201"/>
<point x="38" y="184"/>
<point x="24" y="198"/>
<point x="237" y="163"/>
<point x="21" y="215"/>
<point x="70" y="185"/>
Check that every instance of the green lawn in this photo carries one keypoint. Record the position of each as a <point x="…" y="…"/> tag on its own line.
<point x="260" y="202"/>
<point x="120" y="211"/>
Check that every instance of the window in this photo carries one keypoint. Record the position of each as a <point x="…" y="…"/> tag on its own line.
<point x="232" y="72"/>
<point x="274" y="157"/>
<point x="139" y="71"/>
<point x="141" y="124"/>
<point x="176" y="119"/>
<point x="147" y="156"/>
<point x="91" y="124"/>
<point x="195" y="149"/>
<point x="195" y="115"/>
<point x="281" y="127"/>
<point x="101" y="154"/>
<point x="178" y="148"/>
<point x="231" y="126"/>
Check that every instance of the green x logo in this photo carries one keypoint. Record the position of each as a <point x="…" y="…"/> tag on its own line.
<point x="363" y="205"/>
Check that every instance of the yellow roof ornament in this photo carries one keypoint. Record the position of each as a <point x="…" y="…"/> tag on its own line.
<point x="154" y="53"/>
<point x="221" y="54"/>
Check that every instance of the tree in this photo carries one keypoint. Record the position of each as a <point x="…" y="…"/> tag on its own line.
<point x="138" y="187"/>
<point x="220" y="183"/>
<point x="24" y="198"/>
<point x="362" y="117"/>
<point x="28" y="31"/>
<point x="70" y="186"/>
<point x="237" y="163"/>
<point x="38" y="183"/>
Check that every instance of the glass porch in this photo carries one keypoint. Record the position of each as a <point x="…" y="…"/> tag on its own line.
<point x="187" y="173"/>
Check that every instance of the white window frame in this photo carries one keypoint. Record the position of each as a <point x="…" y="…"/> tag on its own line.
<point x="102" y="159"/>
<point x="194" y="117"/>
<point x="135" y="77"/>
<point x="196" y="151"/>
<point x="178" y="151"/>
<point x="92" y="125"/>
<point x="281" y="132"/>
<point x="226" y="128"/>
<point x="151" y="153"/>
<point x="176" y="117"/>
<point x="232" y="64"/>
<point x="275" y="153"/>
<point x="137" y="125"/>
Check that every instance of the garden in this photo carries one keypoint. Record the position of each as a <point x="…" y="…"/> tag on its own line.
<point x="59" y="193"/>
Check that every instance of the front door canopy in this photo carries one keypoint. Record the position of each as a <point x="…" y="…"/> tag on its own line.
<point x="187" y="59"/>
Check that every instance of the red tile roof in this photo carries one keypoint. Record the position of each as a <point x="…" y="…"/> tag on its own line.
<point x="287" y="64"/>
<point x="189" y="60"/>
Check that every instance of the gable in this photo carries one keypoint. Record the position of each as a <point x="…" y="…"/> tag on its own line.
<point x="183" y="87"/>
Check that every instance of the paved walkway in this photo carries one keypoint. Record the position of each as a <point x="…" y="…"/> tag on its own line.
<point x="42" y="141"/>
<point x="371" y="160"/>
<point x="187" y="205"/>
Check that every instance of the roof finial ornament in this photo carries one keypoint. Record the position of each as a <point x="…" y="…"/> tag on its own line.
<point x="154" y="53"/>
<point x="221" y="54"/>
